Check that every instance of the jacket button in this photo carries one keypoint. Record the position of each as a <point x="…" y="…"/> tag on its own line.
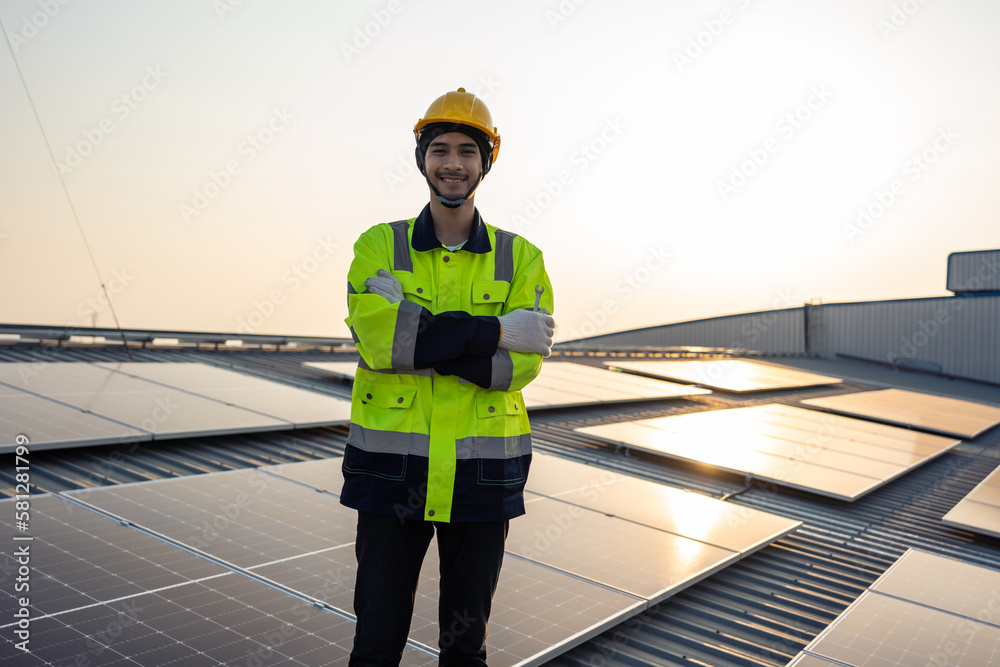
<point x="492" y="409"/>
<point x="368" y="396"/>
<point x="399" y="400"/>
<point x="430" y="512"/>
<point x="486" y="296"/>
<point x="420" y="290"/>
<point x="515" y="407"/>
<point x="447" y="258"/>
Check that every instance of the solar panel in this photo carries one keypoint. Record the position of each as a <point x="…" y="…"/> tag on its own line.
<point x="691" y="515"/>
<point x="925" y="609"/>
<point x="565" y="384"/>
<point x="84" y="558"/>
<point x="629" y="557"/>
<point x="822" y="453"/>
<point x="735" y="375"/>
<point x="950" y="416"/>
<point x="298" y="406"/>
<point x="343" y="370"/>
<point x="806" y="660"/>
<point x="105" y="593"/>
<point x="979" y="511"/>
<point x="243" y="517"/>
<point x="324" y="475"/>
<point x="162" y="411"/>
<point x="230" y="620"/>
<point x="50" y="425"/>
<point x="943" y="583"/>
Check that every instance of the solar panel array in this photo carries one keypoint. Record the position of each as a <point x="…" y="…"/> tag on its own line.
<point x="47" y="424"/>
<point x="827" y="454"/>
<point x="63" y="404"/>
<point x="223" y="566"/>
<point x="980" y="510"/>
<point x="563" y="384"/>
<point x="924" y="610"/>
<point x="950" y="416"/>
<point x="735" y="375"/>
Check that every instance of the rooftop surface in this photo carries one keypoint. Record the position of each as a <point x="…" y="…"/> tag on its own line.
<point x="761" y="610"/>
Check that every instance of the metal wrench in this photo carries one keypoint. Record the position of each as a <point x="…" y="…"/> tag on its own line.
<point x="538" y="296"/>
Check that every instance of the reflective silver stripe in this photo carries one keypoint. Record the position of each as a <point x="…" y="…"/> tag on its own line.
<point x="357" y="341"/>
<point x="504" y="256"/>
<point x="429" y="372"/>
<point x="389" y="442"/>
<point x="479" y="447"/>
<point x="401" y="260"/>
<point x="502" y="372"/>
<point x="404" y="339"/>
<point x="419" y="444"/>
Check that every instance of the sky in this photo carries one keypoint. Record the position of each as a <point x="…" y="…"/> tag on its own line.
<point x="212" y="162"/>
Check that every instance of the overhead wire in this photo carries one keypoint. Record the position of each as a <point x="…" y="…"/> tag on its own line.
<point x="65" y="189"/>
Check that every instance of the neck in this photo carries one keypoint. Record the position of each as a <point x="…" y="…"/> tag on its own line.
<point x="453" y="225"/>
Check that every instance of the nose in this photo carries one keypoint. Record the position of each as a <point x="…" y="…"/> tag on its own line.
<point x="453" y="163"/>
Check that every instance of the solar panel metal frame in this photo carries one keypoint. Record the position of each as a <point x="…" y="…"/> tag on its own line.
<point x="853" y="485"/>
<point x="865" y="405"/>
<point x="698" y="372"/>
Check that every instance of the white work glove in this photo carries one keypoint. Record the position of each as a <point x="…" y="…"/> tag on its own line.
<point x="527" y="331"/>
<point x="385" y="285"/>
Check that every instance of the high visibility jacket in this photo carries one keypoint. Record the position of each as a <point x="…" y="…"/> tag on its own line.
<point x="439" y="430"/>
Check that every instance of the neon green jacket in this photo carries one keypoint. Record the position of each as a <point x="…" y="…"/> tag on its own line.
<point x="438" y="425"/>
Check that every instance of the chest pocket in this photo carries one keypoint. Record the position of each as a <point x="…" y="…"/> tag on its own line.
<point x="415" y="290"/>
<point x="489" y="296"/>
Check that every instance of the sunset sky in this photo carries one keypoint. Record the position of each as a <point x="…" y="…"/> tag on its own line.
<point x="213" y="162"/>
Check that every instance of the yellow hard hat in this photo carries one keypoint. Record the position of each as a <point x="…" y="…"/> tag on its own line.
<point x="465" y="109"/>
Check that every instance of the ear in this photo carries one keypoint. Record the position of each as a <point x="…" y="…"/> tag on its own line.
<point x="419" y="156"/>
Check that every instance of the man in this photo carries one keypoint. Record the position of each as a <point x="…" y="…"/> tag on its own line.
<point x="450" y="316"/>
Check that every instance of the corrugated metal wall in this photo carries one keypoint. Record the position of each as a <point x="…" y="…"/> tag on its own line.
<point x="767" y="331"/>
<point x="955" y="336"/>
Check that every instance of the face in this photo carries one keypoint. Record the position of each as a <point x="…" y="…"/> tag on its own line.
<point x="453" y="164"/>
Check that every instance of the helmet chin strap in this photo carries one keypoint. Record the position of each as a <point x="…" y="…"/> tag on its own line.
<point x="454" y="203"/>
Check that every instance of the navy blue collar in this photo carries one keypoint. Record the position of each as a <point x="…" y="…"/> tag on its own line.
<point x="425" y="239"/>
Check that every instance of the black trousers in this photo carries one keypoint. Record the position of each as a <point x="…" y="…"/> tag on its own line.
<point x="390" y="552"/>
